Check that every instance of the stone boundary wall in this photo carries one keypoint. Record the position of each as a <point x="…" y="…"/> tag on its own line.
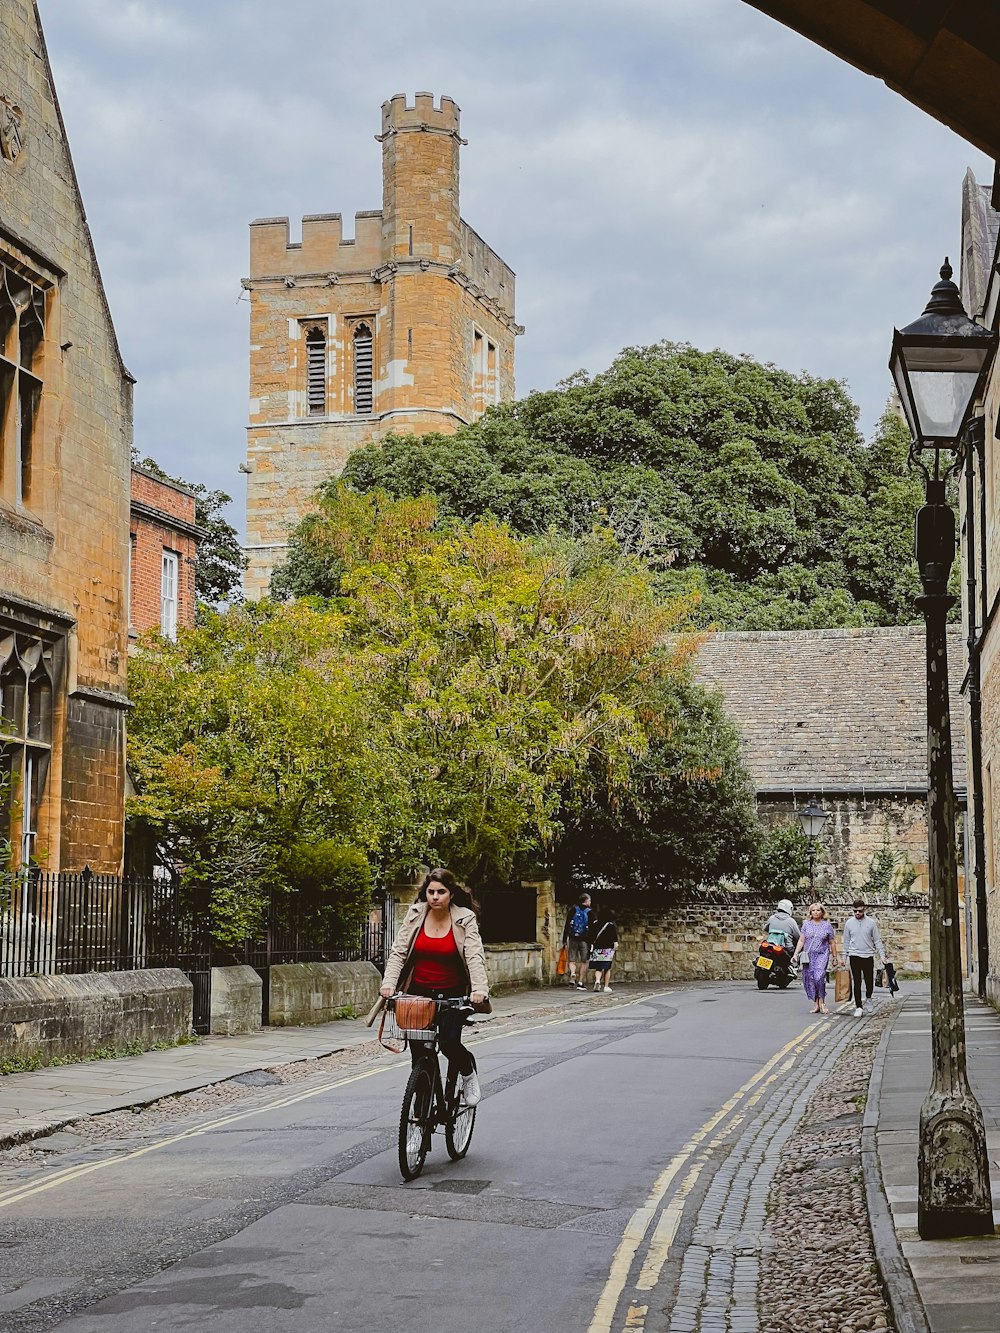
<point x="79" y="1015"/>
<point x="304" y="993"/>
<point x="509" y="965"/>
<point x="715" y="938"/>
<point x="236" y="1001"/>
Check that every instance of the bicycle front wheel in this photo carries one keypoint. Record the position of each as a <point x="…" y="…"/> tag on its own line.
<point x="458" y="1130"/>
<point x="415" y="1124"/>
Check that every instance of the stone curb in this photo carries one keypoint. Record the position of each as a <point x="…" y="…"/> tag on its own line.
<point x="901" y="1293"/>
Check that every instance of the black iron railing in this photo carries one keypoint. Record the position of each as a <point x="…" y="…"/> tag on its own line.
<point x="71" y="923"/>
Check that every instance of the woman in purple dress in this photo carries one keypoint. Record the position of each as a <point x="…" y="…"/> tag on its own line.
<point x="817" y="941"/>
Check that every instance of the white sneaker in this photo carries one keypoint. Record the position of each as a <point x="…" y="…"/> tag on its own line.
<point x="597" y="985"/>
<point x="608" y="990"/>
<point x="471" y="1091"/>
<point x="859" y="1013"/>
<point x="869" y="1007"/>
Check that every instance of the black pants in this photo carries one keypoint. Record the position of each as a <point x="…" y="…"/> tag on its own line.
<point x="458" y="1056"/>
<point x="862" y="969"/>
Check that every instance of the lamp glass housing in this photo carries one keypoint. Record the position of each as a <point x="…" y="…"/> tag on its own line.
<point x="812" y="818"/>
<point x="938" y="364"/>
<point x="937" y="386"/>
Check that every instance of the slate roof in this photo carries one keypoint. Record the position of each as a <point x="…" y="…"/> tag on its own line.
<point x="840" y="710"/>
<point x="980" y="233"/>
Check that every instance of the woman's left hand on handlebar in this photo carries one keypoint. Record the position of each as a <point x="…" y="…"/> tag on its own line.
<point x="387" y="992"/>
<point x="477" y="997"/>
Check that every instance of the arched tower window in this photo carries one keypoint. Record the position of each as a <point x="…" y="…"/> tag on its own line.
<point x="363" y="370"/>
<point x="316" y="372"/>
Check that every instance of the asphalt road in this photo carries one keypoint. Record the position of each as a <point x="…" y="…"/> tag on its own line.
<point x="598" y="1137"/>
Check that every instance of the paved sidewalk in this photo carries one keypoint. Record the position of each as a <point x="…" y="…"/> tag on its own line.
<point x="934" y="1286"/>
<point x="44" y="1100"/>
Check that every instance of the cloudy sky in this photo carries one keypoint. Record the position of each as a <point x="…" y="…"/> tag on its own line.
<point x="682" y="169"/>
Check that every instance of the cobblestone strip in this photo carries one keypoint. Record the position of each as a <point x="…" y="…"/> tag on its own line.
<point x="818" y="1208"/>
<point x="720" y="1271"/>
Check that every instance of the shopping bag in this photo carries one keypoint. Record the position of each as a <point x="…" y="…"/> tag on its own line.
<point x="842" y="985"/>
<point x="561" y="963"/>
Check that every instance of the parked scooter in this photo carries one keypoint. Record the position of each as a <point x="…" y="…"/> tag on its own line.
<point x="773" y="966"/>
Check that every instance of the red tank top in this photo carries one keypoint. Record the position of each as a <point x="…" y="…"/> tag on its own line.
<point x="436" y="963"/>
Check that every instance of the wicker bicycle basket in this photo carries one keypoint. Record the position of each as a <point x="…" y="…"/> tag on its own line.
<point x="419" y="1016"/>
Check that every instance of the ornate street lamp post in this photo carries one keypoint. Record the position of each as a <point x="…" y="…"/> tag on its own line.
<point x="939" y="363"/>
<point x="812" y="818"/>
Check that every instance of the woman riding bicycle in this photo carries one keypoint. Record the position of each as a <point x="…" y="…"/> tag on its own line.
<point x="438" y="952"/>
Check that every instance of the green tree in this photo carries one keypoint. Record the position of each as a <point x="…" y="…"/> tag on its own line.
<point x="779" y="861"/>
<point x="513" y="670"/>
<point x="737" y="481"/>
<point x="687" y="817"/>
<point x="461" y="694"/>
<point x="483" y="628"/>
<point x="250" y="736"/>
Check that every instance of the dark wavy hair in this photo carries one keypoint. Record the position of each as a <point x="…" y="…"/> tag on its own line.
<point x="459" y="894"/>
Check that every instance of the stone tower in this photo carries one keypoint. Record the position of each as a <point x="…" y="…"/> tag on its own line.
<point x="407" y="327"/>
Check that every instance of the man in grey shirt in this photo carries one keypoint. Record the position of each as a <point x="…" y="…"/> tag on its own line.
<point x="862" y="942"/>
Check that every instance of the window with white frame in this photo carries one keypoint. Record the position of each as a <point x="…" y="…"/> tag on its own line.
<point x="168" y="593"/>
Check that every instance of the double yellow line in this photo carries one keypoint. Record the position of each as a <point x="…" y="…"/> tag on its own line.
<point x="666" y="1229"/>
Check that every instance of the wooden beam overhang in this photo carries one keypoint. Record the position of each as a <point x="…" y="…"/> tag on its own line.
<point x="941" y="55"/>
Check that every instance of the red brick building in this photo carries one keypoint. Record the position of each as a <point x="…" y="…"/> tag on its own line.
<point x="164" y="544"/>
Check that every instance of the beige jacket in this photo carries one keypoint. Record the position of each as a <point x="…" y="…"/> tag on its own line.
<point x="468" y="940"/>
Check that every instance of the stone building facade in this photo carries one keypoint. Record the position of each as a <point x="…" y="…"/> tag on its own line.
<point x="163" y="555"/>
<point x="979" y="497"/>
<point x="838" y="717"/>
<point x="406" y="326"/>
<point x="65" y="437"/>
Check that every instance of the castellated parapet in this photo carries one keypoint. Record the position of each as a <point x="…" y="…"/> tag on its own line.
<point x="406" y="326"/>
<point x="423" y="115"/>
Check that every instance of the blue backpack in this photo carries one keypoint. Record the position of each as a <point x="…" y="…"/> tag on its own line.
<point x="579" y="922"/>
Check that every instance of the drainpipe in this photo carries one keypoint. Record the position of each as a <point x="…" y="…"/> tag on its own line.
<point x="975" y="440"/>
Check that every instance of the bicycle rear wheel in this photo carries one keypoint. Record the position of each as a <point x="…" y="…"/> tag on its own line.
<point x="461" y="1122"/>
<point x="415" y="1125"/>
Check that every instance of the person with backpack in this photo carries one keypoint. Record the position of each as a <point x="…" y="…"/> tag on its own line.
<point x="576" y="942"/>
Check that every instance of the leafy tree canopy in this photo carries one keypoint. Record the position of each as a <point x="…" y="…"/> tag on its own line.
<point x="220" y="563"/>
<point x="686" y="818"/>
<point x="736" y="480"/>
<point x="463" y="697"/>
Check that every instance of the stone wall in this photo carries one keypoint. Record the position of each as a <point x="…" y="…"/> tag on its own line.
<point x="236" y="1001"/>
<point x="715" y="938"/>
<point x="304" y="993"/>
<point x="854" y="832"/>
<point x="78" y="1015"/>
<point x="509" y="965"/>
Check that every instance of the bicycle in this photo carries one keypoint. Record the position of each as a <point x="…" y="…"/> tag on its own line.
<point x="428" y="1103"/>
